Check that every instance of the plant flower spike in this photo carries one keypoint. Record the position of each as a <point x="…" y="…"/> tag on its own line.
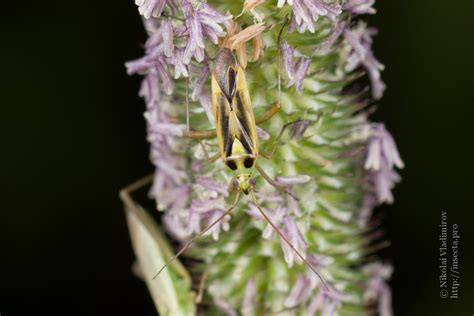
<point x="267" y="168"/>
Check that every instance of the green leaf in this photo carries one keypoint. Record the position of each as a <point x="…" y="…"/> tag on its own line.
<point x="171" y="290"/>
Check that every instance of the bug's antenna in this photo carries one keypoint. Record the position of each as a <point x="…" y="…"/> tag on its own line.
<point x="205" y="230"/>
<point x="254" y="198"/>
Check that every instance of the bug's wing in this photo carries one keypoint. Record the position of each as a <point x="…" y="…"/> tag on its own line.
<point x="221" y="109"/>
<point x="242" y="133"/>
<point x="246" y="130"/>
<point x="171" y="290"/>
<point x="234" y="120"/>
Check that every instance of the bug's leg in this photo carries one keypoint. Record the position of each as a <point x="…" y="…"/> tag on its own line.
<point x="275" y="107"/>
<point x="269" y="113"/>
<point x="213" y="158"/>
<point x="199" y="135"/>
<point x="125" y="193"/>
<point x="276" y="143"/>
<point x="204" y="134"/>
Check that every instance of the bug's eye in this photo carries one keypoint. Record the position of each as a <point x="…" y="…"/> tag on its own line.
<point x="252" y="181"/>
<point x="235" y="183"/>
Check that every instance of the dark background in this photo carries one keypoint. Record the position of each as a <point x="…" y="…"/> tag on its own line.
<point x="72" y="134"/>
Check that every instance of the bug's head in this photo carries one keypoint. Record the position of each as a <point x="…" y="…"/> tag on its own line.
<point x="244" y="183"/>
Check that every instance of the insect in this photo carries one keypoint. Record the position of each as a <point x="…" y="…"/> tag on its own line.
<point x="236" y="131"/>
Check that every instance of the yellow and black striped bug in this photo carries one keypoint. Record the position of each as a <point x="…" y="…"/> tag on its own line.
<point x="235" y="122"/>
<point x="236" y="131"/>
<point x="236" y="126"/>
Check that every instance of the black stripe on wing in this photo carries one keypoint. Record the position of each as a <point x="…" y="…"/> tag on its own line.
<point x="243" y="125"/>
<point x="224" y="121"/>
<point x="232" y="80"/>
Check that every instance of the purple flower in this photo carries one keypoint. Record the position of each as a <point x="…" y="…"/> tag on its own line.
<point x="288" y="55"/>
<point x="212" y="185"/>
<point x="170" y="129"/>
<point x="225" y="307"/>
<point x="170" y="177"/>
<point x="276" y="216"/>
<point x="161" y="51"/>
<point x="279" y="207"/>
<point x="306" y="12"/>
<point x="335" y="34"/>
<point x="382" y="147"/>
<point x="382" y="157"/>
<point x="171" y="192"/>
<point x="318" y="260"/>
<point x="262" y="134"/>
<point x="369" y="202"/>
<point x="360" y="6"/>
<point x="326" y="302"/>
<point x="384" y="180"/>
<point x="206" y="211"/>
<point x="167" y="34"/>
<point x="201" y="21"/>
<point x="149" y="89"/>
<point x="222" y="225"/>
<point x="287" y="181"/>
<point x="209" y="207"/>
<point x="299" y="128"/>
<point x="180" y="69"/>
<point x="194" y="223"/>
<point x="297" y="73"/>
<point x="294" y="236"/>
<point x="206" y="103"/>
<point x="164" y="187"/>
<point x="172" y="169"/>
<point x="170" y="186"/>
<point x="201" y="80"/>
<point x="300" y="292"/>
<point x="360" y="39"/>
<point x="150" y="8"/>
<point x="316" y="303"/>
<point x="154" y="62"/>
<point x="207" y="204"/>
<point x="248" y="304"/>
<point x="176" y="218"/>
<point x="376" y="288"/>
